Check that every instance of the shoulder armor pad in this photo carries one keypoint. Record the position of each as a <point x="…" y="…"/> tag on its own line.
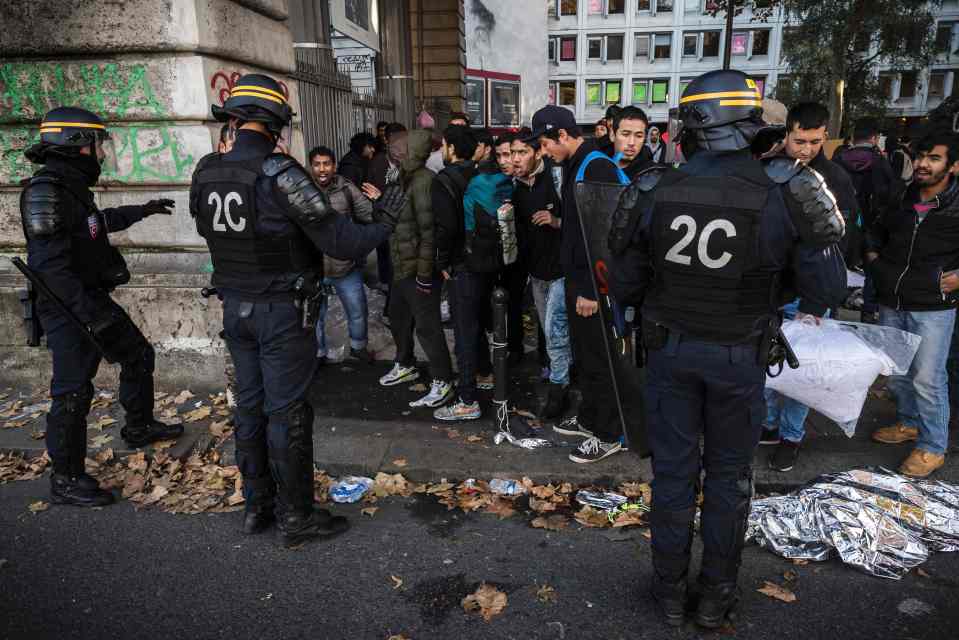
<point x="647" y="179"/>
<point x="42" y="207"/>
<point x="821" y="221"/>
<point x="308" y="205"/>
<point x="205" y="160"/>
<point x="781" y="169"/>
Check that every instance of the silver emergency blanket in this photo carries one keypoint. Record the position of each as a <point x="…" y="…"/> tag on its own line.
<point x="882" y="523"/>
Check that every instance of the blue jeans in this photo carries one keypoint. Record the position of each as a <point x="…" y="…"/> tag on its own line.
<point x="549" y="296"/>
<point x="922" y="395"/>
<point x="952" y="367"/>
<point x="352" y="295"/>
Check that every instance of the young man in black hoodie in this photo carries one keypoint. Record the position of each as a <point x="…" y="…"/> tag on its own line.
<point x="629" y="141"/>
<point x="912" y="253"/>
<point x="355" y="164"/>
<point x="598" y="418"/>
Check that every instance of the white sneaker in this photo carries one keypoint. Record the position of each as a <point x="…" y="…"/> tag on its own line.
<point x="399" y="374"/>
<point x="440" y="392"/>
<point x="458" y="411"/>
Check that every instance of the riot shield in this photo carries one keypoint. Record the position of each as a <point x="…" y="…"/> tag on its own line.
<point x="596" y="203"/>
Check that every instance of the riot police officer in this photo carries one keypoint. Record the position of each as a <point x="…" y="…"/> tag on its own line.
<point x="68" y="248"/>
<point x="707" y="251"/>
<point x="263" y="219"/>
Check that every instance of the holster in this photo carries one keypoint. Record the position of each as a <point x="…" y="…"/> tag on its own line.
<point x="31" y="321"/>
<point x="774" y="349"/>
<point x="309" y="298"/>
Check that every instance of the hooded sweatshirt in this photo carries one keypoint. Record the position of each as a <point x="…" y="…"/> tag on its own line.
<point x="411" y="245"/>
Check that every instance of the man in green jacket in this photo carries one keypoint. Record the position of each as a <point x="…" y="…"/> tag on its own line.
<point x="415" y="290"/>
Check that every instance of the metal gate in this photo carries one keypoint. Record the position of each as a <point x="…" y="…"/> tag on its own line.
<point x="331" y="112"/>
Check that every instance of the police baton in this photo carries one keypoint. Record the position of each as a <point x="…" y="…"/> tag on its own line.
<point x="45" y="290"/>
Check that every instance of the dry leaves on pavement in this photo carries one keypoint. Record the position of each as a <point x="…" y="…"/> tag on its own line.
<point x="200" y="413"/>
<point x="369" y="511"/>
<point x="555" y="522"/>
<point x="487" y="600"/>
<point x="183" y="396"/>
<point x="14" y="467"/>
<point x="546" y="594"/>
<point x="773" y="590"/>
<point x="590" y="517"/>
<point x="397" y="582"/>
<point x="38" y="506"/>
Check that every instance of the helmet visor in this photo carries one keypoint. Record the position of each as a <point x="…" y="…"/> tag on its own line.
<point x="106" y="154"/>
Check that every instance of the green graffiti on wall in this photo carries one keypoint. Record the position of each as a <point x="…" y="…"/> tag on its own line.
<point x="146" y="151"/>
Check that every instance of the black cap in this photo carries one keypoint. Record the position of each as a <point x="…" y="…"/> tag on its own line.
<point x="550" y="118"/>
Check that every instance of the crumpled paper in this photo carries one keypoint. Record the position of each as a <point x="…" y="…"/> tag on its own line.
<point x="878" y="521"/>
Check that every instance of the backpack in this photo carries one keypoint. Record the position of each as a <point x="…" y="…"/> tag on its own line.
<point x="907" y="168"/>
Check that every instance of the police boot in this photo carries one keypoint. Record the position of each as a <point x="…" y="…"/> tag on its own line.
<point x="292" y="470"/>
<point x="717" y="602"/>
<point x="668" y="586"/>
<point x="557" y="400"/>
<point x="136" y="396"/>
<point x="259" y="489"/>
<point x="719" y="573"/>
<point x="67" y="444"/>
<point x="140" y="434"/>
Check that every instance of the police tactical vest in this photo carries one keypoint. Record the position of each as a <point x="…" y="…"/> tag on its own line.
<point x="227" y="216"/>
<point x="97" y="263"/>
<point x="705" y="241"/>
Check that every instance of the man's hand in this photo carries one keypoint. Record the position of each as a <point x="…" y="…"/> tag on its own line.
<point x="446" y="274"/>
<point x="949" y="282"/>
<point x="541" y="218"/>
<point x="586" y="308"/>
<point x="371" y="191"/>
<point x="163" y="206"/>
<point x="802" y="316"/>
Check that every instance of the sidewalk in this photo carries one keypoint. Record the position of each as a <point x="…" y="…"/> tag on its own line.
<point x="362" y="428"/>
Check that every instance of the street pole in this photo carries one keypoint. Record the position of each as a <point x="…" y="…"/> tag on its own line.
<point x="728" y="45"/>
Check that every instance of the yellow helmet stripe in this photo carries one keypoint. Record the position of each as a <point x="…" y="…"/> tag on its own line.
<point x="740" y="103"/>
<point x="85" y="125"/>
<point x="51" y="130"/>
<point x="253" y="94"/>
<point x="721" y="94"/>
<point x="249" y="87"/>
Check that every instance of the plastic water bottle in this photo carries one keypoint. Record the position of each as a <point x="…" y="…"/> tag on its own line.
<point x="506" y="487"/>
<point x="350" y="489"/>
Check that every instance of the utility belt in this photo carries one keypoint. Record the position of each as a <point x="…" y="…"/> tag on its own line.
<point x="773" y="349"/>
<point x="307" y="296"/>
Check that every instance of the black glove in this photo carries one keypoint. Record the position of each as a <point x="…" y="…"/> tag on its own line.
<point x="163" y="206"/>
<point x="390" y="205"/>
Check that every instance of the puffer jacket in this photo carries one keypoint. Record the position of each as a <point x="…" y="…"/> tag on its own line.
<point x="411" y="245"/>
<point x="913" y="255"/>
<point x="348" y="201"/>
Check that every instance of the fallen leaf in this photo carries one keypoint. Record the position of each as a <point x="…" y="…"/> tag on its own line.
<point x="385" y="484"/>
<point x="235" y="499"/>
<point x="502" y="508"/>
<point x="103" y="421"/>
<point x="555" y="522"/>
<point x="182" y="397"/>
<point x="399" y="462"/>
<point x="369" y="511"/>
<point x="397" y="582"/>
<point x="790" y="576"/>
<point x="541" y="506"/>
<point x="418" y="387"/>
<point x="590" y="517"/>
<point x="800" y="562"/>
<point x="546" y="594"/>
<point x="544" y="491"/>
<point x="632" y="517"/>
<point x="773" y="590"/>
<point x="442" y="487"/>
<point x="452" y="434"/>
<point x="474" y="438"/>
<point x="640" y="490"/>
<point x="488" y="600"/>
<point x="104" y="455"/>
<point x="100" y="440"/>
<point x="922" y="573"/>
<point x="197" y="414"/>
<point x="219" y="429"/>
<point x="38" y="506"/>
<point x="155" y="495"/>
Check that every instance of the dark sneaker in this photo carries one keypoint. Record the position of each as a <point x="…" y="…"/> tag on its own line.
<point x="78" y="491"/>
<point x="594" y="450"/>
<point x="556" y="402"/>
<point x="255" y="522"/>
<point x="770" y="436"/>
<point x="784" y="457"/>
<point x="362" y="355"/>
<point x="572" y="427"/>
<point x="137" y="436"/>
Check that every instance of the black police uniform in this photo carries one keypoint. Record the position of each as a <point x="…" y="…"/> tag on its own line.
<point x="264" y="219"/>
<point x="67" y="246"/>
<point x="708" y="251"/>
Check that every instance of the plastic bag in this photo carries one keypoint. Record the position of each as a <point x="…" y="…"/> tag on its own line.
<point x="350" y="489"/>
<point x="838" y="362"/>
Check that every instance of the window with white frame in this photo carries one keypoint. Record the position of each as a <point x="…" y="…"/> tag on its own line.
<point x="601" y="93"/>
<point x="551" y="54"/>
<point x="653" y="47"/>
<point x="605" y="7"/>
<point x="946" y="38"/>
<point x="652" y="7"/>
<point x="701" y="44"/>
<point x="650" y="91"/>
<point x="560" y="8"/>
<point x="562" y="49"/>
<point x="563" y="93"/>
<point x="751" y="43"/>
<point x="604" y="47"/>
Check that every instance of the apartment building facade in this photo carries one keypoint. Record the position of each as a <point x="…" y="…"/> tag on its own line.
<point x="645" y="52"/>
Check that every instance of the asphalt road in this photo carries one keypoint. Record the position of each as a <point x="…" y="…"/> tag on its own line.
<point x="119" y="573"/>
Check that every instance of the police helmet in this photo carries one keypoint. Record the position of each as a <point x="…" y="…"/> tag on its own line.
<point x="66" y="130"/>
<point x="721" y="110"/>
<point x="256" y="98"/>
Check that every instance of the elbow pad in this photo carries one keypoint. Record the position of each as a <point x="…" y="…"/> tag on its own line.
<point x="634" y="194"/>
<point x="814" y="209"/>
<point x="308" y="205"/>
<point x="43" y="207"/>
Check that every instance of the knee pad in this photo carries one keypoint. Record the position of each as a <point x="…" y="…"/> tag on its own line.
<point x="299" y="421"/>
<point x="73" y="406"/>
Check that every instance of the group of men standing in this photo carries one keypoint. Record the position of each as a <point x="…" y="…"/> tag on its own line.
<point x="708" y="253"/>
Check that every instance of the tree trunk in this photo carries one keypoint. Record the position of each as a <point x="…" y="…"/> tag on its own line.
<point x="837" y="90"/>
